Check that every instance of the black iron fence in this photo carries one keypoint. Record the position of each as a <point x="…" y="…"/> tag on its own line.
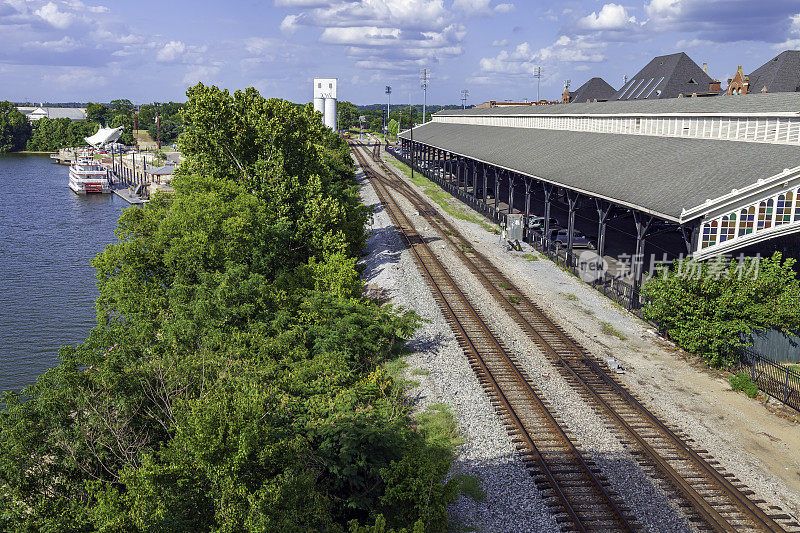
<point x="777" y="380"/>
<point x="625" y="294"/>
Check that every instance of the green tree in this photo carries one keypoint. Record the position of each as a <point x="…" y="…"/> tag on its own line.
<point x="393" y="128"/>
<point x="711" y="308"/>
<point x="233" y="381"/>
<point x="98" y="113"/>
<point x="14" y="128"/>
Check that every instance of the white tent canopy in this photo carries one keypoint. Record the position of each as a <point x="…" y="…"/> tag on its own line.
<point x="104" y="135"/>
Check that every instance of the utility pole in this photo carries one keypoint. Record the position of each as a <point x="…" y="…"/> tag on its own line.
<point x="464" y="94"/>
<point x="388" y="100"/>
<point x="158" y="125"/>
<point x="411" y="142"/>
<point x="537" y="73"/>
<point x="424" y="76"/>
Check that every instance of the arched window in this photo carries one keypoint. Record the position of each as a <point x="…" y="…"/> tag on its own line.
<point x="709" y="234"/>
<point x="797" y="205"/>
<point x="727" y="228"/>
<point x="783" y="209"/>
<point x="748" y="216"/>
<point x="764" y="214"/>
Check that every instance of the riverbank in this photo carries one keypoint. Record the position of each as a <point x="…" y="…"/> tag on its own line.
<point x="32" y="152"/>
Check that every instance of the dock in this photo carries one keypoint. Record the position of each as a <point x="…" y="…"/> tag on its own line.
<point x="129" y="196"/>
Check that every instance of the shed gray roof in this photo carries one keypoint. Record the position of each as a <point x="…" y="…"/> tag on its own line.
<point x="680" y="75"/>
<point x="72" y="113"/>
<point x="660" y="175"/>
<point x="744" y="104"/>
<point x="779" y="74"/>
<point x="594" y="89"/>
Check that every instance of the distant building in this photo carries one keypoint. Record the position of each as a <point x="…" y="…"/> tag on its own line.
<point x="508" y="103"/>
<point x="594" y="90"/>
<point x="668" y="76"/>
<point x="75" y="114"/>
<point x="781" y="74"/>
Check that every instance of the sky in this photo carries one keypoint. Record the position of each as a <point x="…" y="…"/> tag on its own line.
<point x="146" y="51"/>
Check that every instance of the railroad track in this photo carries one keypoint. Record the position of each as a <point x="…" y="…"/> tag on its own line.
<point x="579" y="498"/>
<point x="712" y="499"/>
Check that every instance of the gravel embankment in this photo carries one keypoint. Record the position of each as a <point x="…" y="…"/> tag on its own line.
<point x="512" y="501"/>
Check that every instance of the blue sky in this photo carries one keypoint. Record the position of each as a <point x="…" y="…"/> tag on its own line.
<point x="97" y="50"/>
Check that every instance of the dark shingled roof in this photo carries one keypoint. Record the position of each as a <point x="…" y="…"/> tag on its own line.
<point x="678" y="72"/>
<point x="781" y="74"/>
<point x="744" y="104"/>
<point x="594" y="89"/>
<point x="659" y="175"/>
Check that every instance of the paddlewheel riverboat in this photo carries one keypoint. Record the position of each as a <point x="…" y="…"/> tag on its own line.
<point x="87" y="176"/>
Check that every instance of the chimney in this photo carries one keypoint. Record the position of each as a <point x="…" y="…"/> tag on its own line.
<point x="715" y="86"/>
<point x="705" y="67"/>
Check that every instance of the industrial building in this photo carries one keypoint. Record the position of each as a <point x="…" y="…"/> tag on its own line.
<point x="325" y="100"/>
<point x="706" y="176"/>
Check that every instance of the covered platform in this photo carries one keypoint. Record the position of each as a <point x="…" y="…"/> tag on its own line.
<point x="672" y="189"/>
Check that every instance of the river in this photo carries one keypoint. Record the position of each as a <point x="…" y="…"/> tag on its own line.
<point x="48" y="235"/>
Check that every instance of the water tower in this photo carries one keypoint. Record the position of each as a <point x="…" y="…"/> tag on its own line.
<point x="325" y="100"/>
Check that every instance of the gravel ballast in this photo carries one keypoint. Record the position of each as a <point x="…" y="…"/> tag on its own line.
<point x="760" y="448"/>
<point x="512" y="501"/>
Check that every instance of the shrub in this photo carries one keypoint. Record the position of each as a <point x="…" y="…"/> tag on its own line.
<point x="741" y="381"/>
<point x="710" y="308"/>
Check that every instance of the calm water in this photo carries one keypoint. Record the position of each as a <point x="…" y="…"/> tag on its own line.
<point x="48" y="234"/>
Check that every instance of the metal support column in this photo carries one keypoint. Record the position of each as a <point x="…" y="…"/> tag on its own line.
<point x="548" y="192"/>
<point x="510" y="193"/>
<point x="528" y="184"/>
<point x="572" y="201"/>
<point x="690" y="232"/>
<point x="643" y="223"/>
<point x="485" y="182"/>
<point x="603" y="210"/>
<point x="496" y="188"/>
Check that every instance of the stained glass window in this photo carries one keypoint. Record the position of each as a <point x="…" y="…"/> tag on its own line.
<point x="764" y="214"/>
<point x="748" y="217"/>
<point x="709" y="234"/>
<point x="727" y="229"/>
<point x="783" y="209"/>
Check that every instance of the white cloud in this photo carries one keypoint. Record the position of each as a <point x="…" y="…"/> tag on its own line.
<point x="500" y="42"/>
<point x="524" y="58"/>
<point x="65" y="44"/>
<point x="199" y="73"/>
<point x="377" y="33"/>
<point x="505" y="8"/>
<point x="55" y="17"/>
<point x="171" y="52"/>
<point x="664" y="9"/>
<point x="289" y="24"/>
<point x="793" y="38"/>
<point x="610" y="17"/>
<point x="75" y="79"/>
<point x="694" y="43"/>
<point x="472" y="7"/>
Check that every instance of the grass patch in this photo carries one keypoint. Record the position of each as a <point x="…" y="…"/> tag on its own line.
<point x="741" y="381"/>
<point x="507" y="286"/>
<point x="395" y="368"/>
<point x="465" y="247"/>
<point x="441" y="197"/>
<point x="440" y="426"/>
<point x="451" y="233"/>
<point x="470" y="486"/>
<point x="514" y="299"/>
<point x="608" y="329"/>
<point x="530" y="257"/>
<point x="420" y="372"/>
<point x="572" y="297"/>
<point x="794" y="368"/>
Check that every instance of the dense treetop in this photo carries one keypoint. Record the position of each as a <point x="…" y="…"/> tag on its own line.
<point x="233" y="381"/>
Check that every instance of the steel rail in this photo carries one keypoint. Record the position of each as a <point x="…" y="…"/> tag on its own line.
<point x="415" y="242"/>
<point x="710" y="515"/>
